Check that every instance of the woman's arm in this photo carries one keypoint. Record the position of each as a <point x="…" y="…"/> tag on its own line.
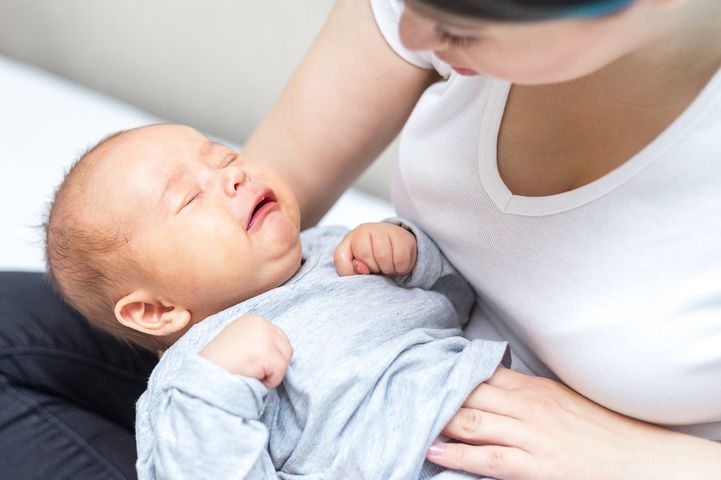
<point x="517" y="426"/>
<point x="347" y="100"/>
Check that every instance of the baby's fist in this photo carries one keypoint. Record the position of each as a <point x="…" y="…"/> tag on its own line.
<point x="376" y="248"/>
<point x="253" y="347"/>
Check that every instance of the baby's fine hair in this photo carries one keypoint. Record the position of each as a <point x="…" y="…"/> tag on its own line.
<point x="88" y="263"/>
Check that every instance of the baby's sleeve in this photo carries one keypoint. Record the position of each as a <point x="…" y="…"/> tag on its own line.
<point x="207" y="425"/>
<point x="433" y="271"/>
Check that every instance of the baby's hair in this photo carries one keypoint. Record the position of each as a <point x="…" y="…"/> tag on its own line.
<point x="87" y="262"/>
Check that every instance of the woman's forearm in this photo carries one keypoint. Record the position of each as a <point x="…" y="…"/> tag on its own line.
<point x="339" y="110"/>
<point x="682" y="456"/>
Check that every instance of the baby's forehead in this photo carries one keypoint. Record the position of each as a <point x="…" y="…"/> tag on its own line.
<point x="151" y="155"/>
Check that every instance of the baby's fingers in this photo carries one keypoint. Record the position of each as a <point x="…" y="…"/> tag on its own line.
<point x="404" y="252"/>
<point x="283" y="344"/>
<point x="343" y="257"/>
<point x="382" y="249"/>
<point x="275" y="368"/>
<point x="363" y="251"/>
<point x="360" y="267"/>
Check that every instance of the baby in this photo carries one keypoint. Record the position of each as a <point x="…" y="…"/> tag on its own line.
<point x="178" y="243"/>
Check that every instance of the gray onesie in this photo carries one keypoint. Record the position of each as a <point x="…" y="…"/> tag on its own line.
<point x="379" y="367"/>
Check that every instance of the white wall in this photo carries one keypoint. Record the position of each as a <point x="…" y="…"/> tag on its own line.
<point x="215" y="64"/>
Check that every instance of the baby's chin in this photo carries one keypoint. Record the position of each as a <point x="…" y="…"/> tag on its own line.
<point x="276" y="272"/>
<point x="278" y="226"/>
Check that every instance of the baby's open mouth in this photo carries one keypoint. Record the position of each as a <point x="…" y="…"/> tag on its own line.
<point x="263" y="204"/>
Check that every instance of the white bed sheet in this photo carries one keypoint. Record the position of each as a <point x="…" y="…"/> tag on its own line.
<point x="46" y="122"/>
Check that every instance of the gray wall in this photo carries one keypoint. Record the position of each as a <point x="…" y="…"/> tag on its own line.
<point x="215" y="64"/>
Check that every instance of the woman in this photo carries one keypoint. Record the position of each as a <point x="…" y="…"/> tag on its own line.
<point x="563" y="189"/>
<point x="562" y="154"/>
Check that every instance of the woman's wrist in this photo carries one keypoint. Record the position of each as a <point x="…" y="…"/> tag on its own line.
<point x="658" y="453"/>
<point x="685" y="456"/>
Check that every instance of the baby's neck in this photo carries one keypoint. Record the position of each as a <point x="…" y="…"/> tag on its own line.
<point x="199" y="314"/>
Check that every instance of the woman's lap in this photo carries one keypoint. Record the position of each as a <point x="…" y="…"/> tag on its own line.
<point x="67" y="391"/>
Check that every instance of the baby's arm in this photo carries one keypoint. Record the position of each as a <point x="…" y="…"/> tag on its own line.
<point x="401" y="250"/>
<point x="383" y="248"/>
<point x="393" y="248"/>
<point x="252" y="347"/>
<point x="208" y="420"/>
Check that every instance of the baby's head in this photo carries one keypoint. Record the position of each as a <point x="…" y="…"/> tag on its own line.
<point x="158" y="227"/>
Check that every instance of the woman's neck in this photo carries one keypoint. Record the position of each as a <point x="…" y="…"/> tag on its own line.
<point x="667" y="71"/>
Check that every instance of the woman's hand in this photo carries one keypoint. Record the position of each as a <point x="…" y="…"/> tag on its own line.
<point x="517" y="426"/>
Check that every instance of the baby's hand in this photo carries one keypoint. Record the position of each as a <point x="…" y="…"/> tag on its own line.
<point x="376" y="248"/>
<point x="253" y="347"/>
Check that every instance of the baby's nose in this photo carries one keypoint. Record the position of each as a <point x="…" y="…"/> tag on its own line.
<point x="235" y="178"/>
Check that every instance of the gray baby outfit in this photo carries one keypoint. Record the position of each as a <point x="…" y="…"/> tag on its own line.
<point x="379" y="367"/>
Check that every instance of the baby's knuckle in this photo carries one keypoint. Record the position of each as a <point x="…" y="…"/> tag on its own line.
<point x="253" y="320"/>
<point x="403" y="259"/>
<point x="361" y="251"/>
<point x="381" y="254"/>
<point x="266" y="337"/>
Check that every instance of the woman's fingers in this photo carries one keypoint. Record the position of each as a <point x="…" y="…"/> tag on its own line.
<point x="506" y="378"/>
<point x="489" y="398"/>
<point x="477" y="427"/>
<point x="494" y="461"/>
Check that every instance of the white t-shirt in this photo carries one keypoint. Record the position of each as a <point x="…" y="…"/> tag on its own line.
<point x="614" y="287"/>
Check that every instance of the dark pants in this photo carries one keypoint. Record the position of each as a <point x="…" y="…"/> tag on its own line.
<point x="67" y="390"/>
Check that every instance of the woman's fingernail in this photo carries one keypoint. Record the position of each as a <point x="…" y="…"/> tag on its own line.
<point x="436" y="450"/>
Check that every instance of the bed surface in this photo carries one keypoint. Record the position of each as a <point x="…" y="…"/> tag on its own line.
<point x="46" y="122"/>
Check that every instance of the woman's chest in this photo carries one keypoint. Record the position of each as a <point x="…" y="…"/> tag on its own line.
<point x="552" y="140"/>
<point x="614" y="286"/>
<point x="620" y="300"/>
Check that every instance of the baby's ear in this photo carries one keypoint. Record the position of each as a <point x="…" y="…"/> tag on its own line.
<point x="144" y="312"/>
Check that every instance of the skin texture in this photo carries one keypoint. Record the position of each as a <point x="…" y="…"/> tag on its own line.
<point x="186" y="204"/>
<point x="638" y="69"/>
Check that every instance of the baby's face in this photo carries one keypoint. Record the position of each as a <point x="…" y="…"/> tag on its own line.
<point x="209" y="227"/>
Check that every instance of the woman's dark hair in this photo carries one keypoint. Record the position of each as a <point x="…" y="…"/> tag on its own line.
<point x="526" y="10"/>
